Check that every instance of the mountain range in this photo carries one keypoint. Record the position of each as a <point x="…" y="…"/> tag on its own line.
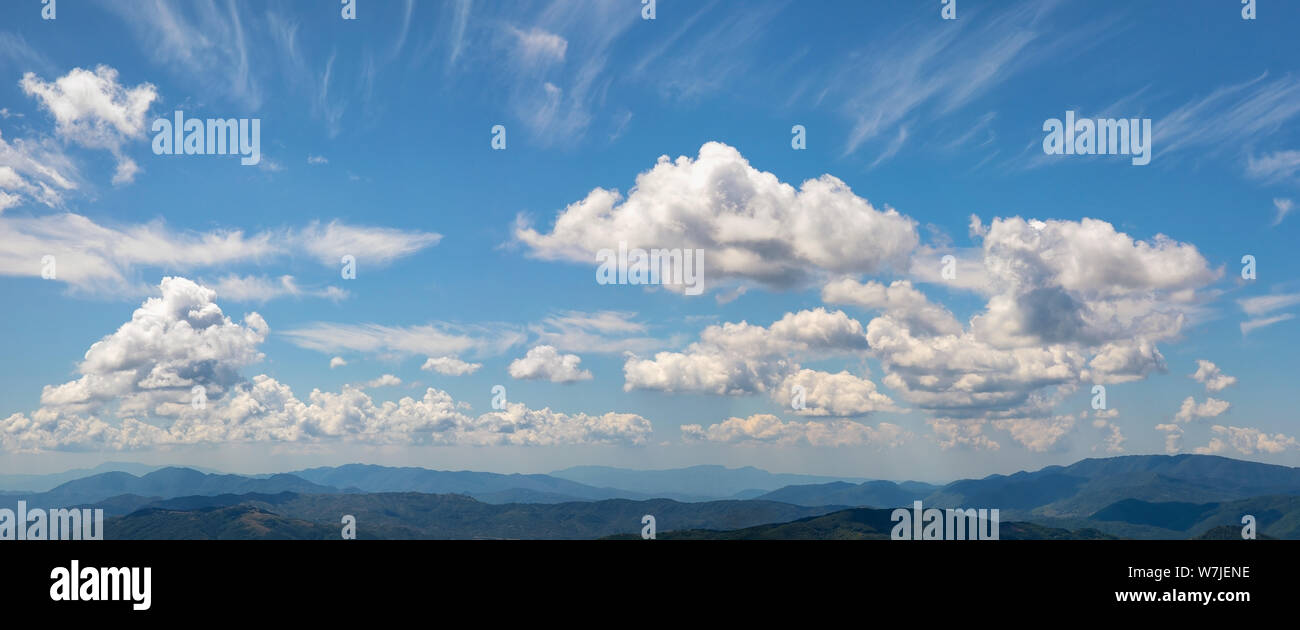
<point x="1138" y="496"/>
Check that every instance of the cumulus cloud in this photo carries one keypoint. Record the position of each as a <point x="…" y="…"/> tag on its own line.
<point x="138" y="389"/>
<point x="750" y="225"/>
<point x="92" y="109"/>
<point x="769" y="429"/>
<point x="1212" y="377"/>
<point x="825" y="394"/>
<point x="1246" y="441"/>
<point x="337" y="362"/>
<point x="1070" y="302"/>
<point x="546" y="363"/>
<point x="741" y="358"/>
<point x="1189" y="410"/>
<point x="450" y="366"/>
<point x="899" y="300"/>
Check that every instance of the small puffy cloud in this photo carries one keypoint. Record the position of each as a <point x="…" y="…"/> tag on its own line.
<point x="546" y="363"/>
<point x="337" y="362"/>
<point x="749" y="224"/>
<point x="94" y="110"/>
<point x="1212" y="377"/>
<point x="1246" y="441"/>
<point x="769" y="429"/>
<point x="450" y="366"/>
<point x="317" y="160"/>
<point x="1189" y="410"/>
<point x="1114" y="440"/>
<point x="387" y="380"/>
<point x="1173" y="437"/>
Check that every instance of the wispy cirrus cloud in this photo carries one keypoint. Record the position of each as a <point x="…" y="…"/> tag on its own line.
<point x="97" y="258"/>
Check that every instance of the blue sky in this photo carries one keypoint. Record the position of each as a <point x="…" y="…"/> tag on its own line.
<point x="376" y="142"/>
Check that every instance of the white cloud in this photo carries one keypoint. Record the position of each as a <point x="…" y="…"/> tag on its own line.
<point x="1173" y="437"/>
<point x="545" y="363"/>
<point x="370" y="245"/>
<point x="1261" y="322"/>
<point x="261" y="289"/>
<point x="387" y="380"/>
<point x="536" y="47"/>
<point x="203" y="41"/>
<point x="741" y="358"/>
<point x="337" y="362"/>
<point x="317" y="159"/>
<point x="1212" y="377"/>
<point x="750" y="225"/>
<point x="598" y="332"/>
<point x="92" y="109"/>
<point x="769" y="429"/>
<point x="144" y="374"/>
<point x="1037" y="434"/>
<point x="450" y="366"/>
<point x="172" y="343"/>
<point x="898" y="300"/>
<point x="435" y="339"/>
<point x="825" y="394"/>
<point x="99" y="258"/>
<point x="37" y="170"/>
<point x="1189" y="410"/>
<point x="1264" y="304"/>
<point x="1114" y="440"/>
<point x="1284" y="207"/>
<point x="953" y="433"/>
<point x="1247" y="441"/>
<point x="1274" y="167"/>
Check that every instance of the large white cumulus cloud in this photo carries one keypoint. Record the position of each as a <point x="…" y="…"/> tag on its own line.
<point x="750" y="225"/>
